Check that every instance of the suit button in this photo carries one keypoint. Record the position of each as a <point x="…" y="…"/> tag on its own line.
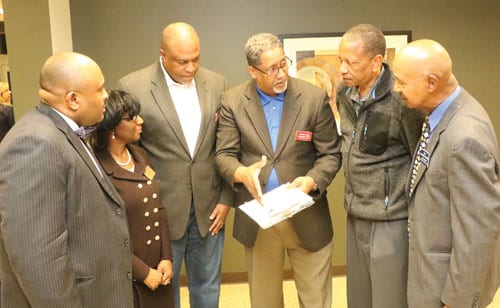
<point x="146" y="214"/>
<point x="148" y="242"/>
<point x="155" y="196"/>
<point x="145" y="200"/>
<point x="157" y="237"/>
<point x="155" y="210"/>
<point x="157" y="223"/>
<point x="149" y="182"/>
<point x="139" y="185"/>
<point x="126" y="242"/>
<point x="148" y="228"/>
<point x="118" y="212"/>
<point x="129" y="276"/>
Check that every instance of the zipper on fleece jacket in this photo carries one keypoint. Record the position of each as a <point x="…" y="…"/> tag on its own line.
<point x="353" y="136"/>
<point x="387" y="185"/>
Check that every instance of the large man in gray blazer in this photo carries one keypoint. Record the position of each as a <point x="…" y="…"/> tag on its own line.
<point x="290" y="122"/>
<point x="454" y="210"/>
<point x="180" y="104"/>
<point x="64" y="236"/>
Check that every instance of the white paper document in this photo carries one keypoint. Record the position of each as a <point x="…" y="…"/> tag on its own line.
<point x="278" y="204"/>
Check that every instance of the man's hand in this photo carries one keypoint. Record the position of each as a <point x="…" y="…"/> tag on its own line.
<point x="218" y="216"/>
<point x="304" y="183"/>
<point x="165" y="268"/>
<point x="249" y="176"/>
<point x="153" y="279"/>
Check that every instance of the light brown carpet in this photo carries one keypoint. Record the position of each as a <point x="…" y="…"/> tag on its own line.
<point x="237" y="295"/>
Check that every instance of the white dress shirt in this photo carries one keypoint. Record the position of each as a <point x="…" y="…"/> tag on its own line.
<point x="187" y="105"/>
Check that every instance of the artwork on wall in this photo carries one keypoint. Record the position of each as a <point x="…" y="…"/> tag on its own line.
<point x="315" y="57"/>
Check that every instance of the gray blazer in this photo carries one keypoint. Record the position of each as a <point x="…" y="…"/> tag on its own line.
<point x="183" y="180"/>
<point x="243" y="138"/>
<point x="455" y="213"/>
<point x="64" y="236"/>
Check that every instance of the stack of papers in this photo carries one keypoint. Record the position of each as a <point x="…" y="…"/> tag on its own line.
<point x="277" y="205"/>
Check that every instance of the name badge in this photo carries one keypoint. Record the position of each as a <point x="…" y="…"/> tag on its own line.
<point x="149" y="172"/>
<point x="303" y="135"/>
<point x="424" y="157"/>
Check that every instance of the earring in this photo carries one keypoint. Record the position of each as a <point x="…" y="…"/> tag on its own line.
<point x="113" y="135"/>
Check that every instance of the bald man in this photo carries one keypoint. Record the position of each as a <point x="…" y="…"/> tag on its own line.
<point x="180" y="106"/>
<point x="454" y="210"/>
<point x="64" y="236"/>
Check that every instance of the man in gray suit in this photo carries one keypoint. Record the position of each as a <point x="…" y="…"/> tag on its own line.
<point x="64" y="236"/>
<point x="180" y="104"/>
<point x="454" y="210"/>
<point x="290" y="122"/>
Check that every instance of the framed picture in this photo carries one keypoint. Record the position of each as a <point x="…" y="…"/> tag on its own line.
<point x="315" y="57"/>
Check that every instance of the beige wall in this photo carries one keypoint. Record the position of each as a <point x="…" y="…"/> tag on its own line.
<point x="124" y="35"/>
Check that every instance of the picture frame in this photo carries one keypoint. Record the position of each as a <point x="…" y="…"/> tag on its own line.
<point x="315" y="57"/>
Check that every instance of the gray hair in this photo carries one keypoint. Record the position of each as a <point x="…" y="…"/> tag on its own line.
<point x="258" y="44"/>
<point x="373" y="40"/>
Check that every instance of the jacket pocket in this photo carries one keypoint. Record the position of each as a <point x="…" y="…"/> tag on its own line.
<point x="374" y="137"/>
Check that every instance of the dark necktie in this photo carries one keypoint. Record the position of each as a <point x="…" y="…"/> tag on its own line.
<point x="422" y="154"/>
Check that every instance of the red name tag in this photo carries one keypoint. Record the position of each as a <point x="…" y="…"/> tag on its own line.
<point x="303" y="136"/>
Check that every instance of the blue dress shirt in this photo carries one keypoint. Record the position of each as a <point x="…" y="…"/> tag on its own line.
<point x="273" y="109"/>
<point x="438" y="113"/>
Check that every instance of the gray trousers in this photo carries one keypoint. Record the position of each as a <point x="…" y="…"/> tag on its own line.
<point x="377" y="263"/>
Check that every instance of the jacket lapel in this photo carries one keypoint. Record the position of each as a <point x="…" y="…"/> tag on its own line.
<point x="161" y="95"/>
<point x="77" y="144"/>
<point x="436" y="135"/>
<point x="111" y="167"/>
<point x="291" y="109"/>
<point x="253" y="107"/>
<point x="206" y="105"/>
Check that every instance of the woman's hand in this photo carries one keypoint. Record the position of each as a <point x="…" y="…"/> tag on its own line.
<point x="165" y="268"/>
<point x="153" y="279"/>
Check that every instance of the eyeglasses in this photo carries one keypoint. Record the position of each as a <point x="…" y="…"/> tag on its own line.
<point x="131" y="118"/>
<point x="274" y="71"/>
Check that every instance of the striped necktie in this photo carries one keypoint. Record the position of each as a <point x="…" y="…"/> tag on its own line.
<point x="422" y="154"/>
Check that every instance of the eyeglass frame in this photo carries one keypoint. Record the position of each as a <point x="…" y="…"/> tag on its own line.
<point x="288" y="63"/>
<point x="129" y="118"/>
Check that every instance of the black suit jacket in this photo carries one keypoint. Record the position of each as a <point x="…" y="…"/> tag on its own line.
<point x="6" y="119"/>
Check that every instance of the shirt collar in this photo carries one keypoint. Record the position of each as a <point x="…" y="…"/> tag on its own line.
<point x="438" y="113"/>
<point x="266" y="99"/>
<point x="173" y="83"/>
<point x="72" y="124"/>
<point x="354" y="95"/>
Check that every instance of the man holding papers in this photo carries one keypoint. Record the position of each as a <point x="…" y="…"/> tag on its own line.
<point x="272" y="130"/>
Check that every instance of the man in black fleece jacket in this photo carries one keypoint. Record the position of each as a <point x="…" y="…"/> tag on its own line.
<point x="379" y="137"/>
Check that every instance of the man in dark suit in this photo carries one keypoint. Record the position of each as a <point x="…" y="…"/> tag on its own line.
<point x="180" y="104"/>
<point x="454" y="210"/>
<point x="290" y="122"/>
<point x="6" y="119"/>
<point x="64" y="236"/>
